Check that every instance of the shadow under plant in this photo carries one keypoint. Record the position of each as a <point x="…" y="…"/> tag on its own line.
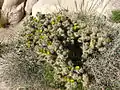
<point x="54" y="49"/>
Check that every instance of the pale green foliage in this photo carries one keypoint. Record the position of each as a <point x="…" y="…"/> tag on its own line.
<point x="105" y="66"/>
<point x="66" y="43"/>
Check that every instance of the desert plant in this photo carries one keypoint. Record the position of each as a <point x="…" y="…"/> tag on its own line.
<point x="66" y="43"/>
<point x="116" y="16"/>
<point x="105" y="65"/>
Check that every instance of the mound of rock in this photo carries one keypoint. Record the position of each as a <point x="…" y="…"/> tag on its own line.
<point x="14" y="10"/>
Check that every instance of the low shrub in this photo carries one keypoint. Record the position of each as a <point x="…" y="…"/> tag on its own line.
<point x="105" y="65"/>
<point x="65" y="44"/>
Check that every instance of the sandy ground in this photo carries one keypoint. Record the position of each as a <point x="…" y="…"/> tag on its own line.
<point x="8" y="35"/>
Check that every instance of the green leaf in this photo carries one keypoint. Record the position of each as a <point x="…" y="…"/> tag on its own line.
<point x="77" y="68"/>
<point x="116" y="16"/>
<point x="53" y="22"/>
<point x="92" y="43"/>
<point x="72" y="80"/>
<point x="58" y="17"/>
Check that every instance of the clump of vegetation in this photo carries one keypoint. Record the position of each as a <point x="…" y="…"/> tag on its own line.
<point x="116" y="16"/>
<point x="65" y="44"/>
<point x="105" y="65"/>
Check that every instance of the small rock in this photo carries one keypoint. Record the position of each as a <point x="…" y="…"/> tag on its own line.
<point x="81" y="70"/>
<point x="85" y="80"/>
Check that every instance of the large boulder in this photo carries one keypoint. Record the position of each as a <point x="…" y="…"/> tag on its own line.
<point x="13" y="10"/>
<point x="11" y="3"/>
<point x="45" y="6"/>
<point x="16" y="14"/>
<point x="49" y="6"/>
<point x="103" y="7"/>
<point x="29" y="5"/>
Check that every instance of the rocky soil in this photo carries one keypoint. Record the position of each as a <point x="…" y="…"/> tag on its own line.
<point x="9" y="35"/>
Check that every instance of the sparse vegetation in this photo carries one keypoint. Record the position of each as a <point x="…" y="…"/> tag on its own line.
<point x="21" y="67"/>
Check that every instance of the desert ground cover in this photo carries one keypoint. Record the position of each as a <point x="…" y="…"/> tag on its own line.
<point x="61" y="51"/>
